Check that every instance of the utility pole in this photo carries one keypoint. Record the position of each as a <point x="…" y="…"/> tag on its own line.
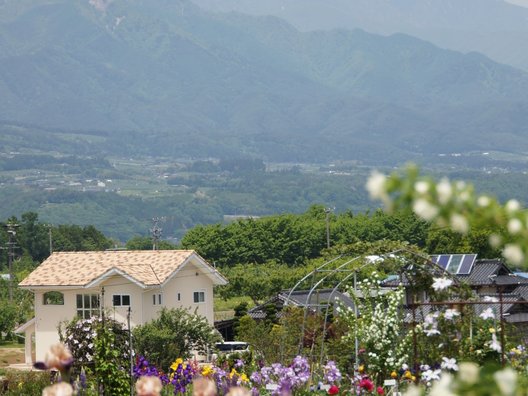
<point x="11" y="233"/>
<point x="50" y="239"/>
<point x="156" y="231"/>
<point x="327" y="212"/>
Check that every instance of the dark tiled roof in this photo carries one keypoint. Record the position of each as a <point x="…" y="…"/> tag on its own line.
<point x="482" y="272"/>
<point x="522" y="291"/>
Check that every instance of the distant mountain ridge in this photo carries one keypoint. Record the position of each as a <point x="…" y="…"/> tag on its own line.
<point x="166" y="77"/>
<point x="497" y="28"/>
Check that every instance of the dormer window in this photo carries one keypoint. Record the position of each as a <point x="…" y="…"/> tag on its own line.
<point x="53" y="298"/>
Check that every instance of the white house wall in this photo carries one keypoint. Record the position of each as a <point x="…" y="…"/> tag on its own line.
<point x="188" y="280"/>
<point x="48" y="318"/>
<point x="119" y="285"/>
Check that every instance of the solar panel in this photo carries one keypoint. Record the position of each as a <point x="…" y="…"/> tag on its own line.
<point x="467" y="264"/>
<point x="443" y="260"/>
<point x="456" y="264"/>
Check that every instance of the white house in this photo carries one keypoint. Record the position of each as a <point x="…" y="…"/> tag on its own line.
<point x="70" y="284"/>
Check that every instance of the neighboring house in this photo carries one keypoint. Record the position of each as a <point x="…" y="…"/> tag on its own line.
<point x="82" y="284"/>
<point x="490" y="279"/>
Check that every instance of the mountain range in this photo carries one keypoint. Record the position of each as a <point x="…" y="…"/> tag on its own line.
<point x="496" y="28"/>
<point x="167" y="77"/>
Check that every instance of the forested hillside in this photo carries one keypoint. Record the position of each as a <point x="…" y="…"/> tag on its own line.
<point x="168" y="78"/>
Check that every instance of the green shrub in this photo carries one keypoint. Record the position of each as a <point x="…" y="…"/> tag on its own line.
<point x="24" y="383"/>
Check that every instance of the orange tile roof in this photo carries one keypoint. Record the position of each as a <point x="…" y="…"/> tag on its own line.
<point x="147" y="267"/>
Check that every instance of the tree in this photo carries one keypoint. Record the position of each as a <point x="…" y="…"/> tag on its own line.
<point x="175" y="333"/>
<point x="145" y="243"/>
<point x="8" y="315"/>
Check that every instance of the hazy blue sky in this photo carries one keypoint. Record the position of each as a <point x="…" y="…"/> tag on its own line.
<point x="523" y="3"/>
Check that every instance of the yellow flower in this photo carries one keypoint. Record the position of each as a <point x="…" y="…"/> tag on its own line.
<point x="413" y="378"/>
<point x="207" y="371"/>
<point x="233" y="373"/>
<point x="361" y="368"/>
<point x="407" y="374"/>
<point x="491" y="330"/>
<point x="176" y="363"/>
<point x="394" y="374"/>
<point x="244" y="378"/>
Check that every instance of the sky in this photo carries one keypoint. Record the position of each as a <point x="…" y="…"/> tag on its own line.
<point x="523" y="3"/>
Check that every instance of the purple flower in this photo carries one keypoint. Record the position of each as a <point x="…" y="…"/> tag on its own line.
<point x="332" y="373"/>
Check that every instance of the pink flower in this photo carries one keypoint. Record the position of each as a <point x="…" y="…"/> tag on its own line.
<point x="380" y="391"/>
<point x="334" y="390"/>
<point x="59" y="389"/>
<point x="148" y="386"/>
<point x="58" y="357"/>
<point x="366" y="384"/>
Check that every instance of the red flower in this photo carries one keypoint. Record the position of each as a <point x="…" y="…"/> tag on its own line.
<point x="380" y="391"/>
<point x="334" y="390"/>
<point x="367" y="384"/>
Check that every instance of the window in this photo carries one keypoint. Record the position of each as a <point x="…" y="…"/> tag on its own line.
<point x="121" y="300"/>
<point x="158" y="299"/>
<point x="199" y="297"/>
<point x="53" y="298"/>
<point x="87" y="305"/>
<point x="179" y="297"/>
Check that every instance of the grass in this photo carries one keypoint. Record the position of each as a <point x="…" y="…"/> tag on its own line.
<point x="225" y="309"/>
<point x="227" y="305"/>
<point x="11" y="352"/>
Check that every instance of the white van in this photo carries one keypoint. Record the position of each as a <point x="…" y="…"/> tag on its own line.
<point x="228" y="347"/>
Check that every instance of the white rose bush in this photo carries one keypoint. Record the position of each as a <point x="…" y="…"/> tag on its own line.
<point x="456" y="205"/>
<point x="444" y="330"/>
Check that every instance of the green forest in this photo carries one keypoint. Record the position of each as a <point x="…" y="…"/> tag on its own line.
<point x="259" y="256"/>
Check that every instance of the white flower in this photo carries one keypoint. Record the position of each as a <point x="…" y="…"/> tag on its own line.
<point x="464" y="196"/>
<point x="469" y="372"/>
<point x="506" y="380"/>
<point x="431" y="332"/>
<point x="514" y="226"/>
<point x="443" y="386"/>
<point x="494" y="344"/>
<point x="449" y="364"/>
<point x="376" y="185"/>
<point x="444" y="191"/>
<point x="512" y="205"/>
<point x="421" y="187"/>
<point x="460" y="185"/>
<point x="487" y="314"/>
<point x="495" y="240"/>
<point x="431" y="375"/>
<point x="490" y="299"/>
<point x="483" y="201"/>
<point x="450" y="314"/>
<point x="413" y="390"/>
<point x="441" y="283"/>
<point x="459" y="223"/>
<point x="424" y="209"/>
<point x="513" y="253"/>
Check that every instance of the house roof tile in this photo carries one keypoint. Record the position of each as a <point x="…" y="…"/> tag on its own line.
<point x="146" y="267"/>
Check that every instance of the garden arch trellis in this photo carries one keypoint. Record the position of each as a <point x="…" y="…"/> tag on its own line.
<point x="327" y="272"/>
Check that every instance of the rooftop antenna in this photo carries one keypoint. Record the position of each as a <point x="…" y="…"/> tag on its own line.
<point x="156" y="232"/>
